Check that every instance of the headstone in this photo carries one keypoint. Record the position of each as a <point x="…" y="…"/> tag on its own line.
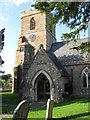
<point x="49" y="109"/>
<point x="21" y="110"/>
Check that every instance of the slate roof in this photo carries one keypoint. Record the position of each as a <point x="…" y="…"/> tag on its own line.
<point x="57" y="63"/>
<point x="64" y="51"/>
<point x="55" y="46"/>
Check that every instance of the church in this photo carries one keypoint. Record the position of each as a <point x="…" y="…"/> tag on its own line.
<point x="47" y="69"/>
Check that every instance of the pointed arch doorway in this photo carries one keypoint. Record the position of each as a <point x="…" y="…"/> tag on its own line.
<point x="42" y="81"/>
<point x="42" y="87"/>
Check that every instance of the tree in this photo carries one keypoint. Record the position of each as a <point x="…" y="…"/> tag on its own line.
<point x="6" y="77"/>
<point x="1" y="46"/>
<point x="2" y="39"/>
<point x="6" y="81"/>
<point x="74" y="15"/>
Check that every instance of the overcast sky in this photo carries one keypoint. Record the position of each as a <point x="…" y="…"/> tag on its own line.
<point x="10" y="19"/>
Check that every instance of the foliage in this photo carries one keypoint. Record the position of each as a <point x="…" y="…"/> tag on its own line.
<point x="6" y="77"/>
<point x="84" y="47"/>
<point x="6" y="84"/>
<point x="1" y="46"/>
<point x="6" y="81"/>
<point x="2" y="38"/>
<point x="74" y="15"/>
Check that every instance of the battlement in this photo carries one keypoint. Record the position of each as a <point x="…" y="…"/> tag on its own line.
<point x="29" y="12"/>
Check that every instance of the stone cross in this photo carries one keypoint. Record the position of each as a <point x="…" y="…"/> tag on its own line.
<point x="49" y="109"/>
<point x="21" y="110"/>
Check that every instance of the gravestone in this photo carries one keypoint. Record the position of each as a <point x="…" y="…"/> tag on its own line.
<point x="49" y="109"/>
<point x="21" y="110"/>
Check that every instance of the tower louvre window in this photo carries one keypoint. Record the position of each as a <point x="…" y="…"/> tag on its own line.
<point x="32" y="24"/>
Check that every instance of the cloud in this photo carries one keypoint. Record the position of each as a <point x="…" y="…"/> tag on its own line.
<point x="2" y="19"/>
<point x="17" y="2"/>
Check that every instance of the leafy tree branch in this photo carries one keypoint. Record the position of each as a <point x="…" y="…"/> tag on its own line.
<point x="74" y="15"/>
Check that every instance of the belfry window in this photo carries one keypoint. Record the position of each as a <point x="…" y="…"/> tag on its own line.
<point x="32" y="24"/>
<point x="85" y="76"/>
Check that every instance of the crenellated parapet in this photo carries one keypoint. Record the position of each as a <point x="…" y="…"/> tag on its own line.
<point x="30" y="12"/>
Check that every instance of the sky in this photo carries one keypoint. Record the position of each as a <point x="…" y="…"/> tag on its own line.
<point x="10" y="19"/>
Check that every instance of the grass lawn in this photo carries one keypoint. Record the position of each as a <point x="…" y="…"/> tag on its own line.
<point x="69" y="110"/>
<point x="9" y="102"/>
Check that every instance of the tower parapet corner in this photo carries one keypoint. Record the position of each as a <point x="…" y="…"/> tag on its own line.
<point x="30" y="11"/>
<point x="23" y="14"/>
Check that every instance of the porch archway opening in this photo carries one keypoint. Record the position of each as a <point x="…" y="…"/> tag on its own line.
<point x="42" y="88"/>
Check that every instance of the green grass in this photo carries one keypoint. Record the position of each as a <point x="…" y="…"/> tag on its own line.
<point x="73" y="109"/>
<point x="70" y="110"/>
<point x="9" y="102"/>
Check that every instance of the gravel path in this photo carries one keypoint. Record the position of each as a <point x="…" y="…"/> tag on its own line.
<point x="5" y="116"/>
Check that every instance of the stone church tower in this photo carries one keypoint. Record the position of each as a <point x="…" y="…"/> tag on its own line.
<point x="34" y="35"/>
<point x="46" y="69"/>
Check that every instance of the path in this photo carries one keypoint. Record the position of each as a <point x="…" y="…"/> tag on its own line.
<point x="37" y="105"/>
<point x="4" y="116"/>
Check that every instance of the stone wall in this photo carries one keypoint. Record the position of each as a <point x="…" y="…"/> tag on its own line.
<point x="75" y="68"/>
<point x="50" y="39"/>
<point x="39" y="31"/>
<point x="46" y="66"/>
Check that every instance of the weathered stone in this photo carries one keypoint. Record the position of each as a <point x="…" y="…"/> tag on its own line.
<point x="49" y="109"/>
<point x="35" y="63"/>
<point x="21" y="110"/>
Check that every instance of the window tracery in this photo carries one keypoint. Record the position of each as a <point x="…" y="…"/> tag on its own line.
<point x="85" y="76"/>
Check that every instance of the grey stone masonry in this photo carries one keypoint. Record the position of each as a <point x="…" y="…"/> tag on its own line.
<point x="21" y="110"/>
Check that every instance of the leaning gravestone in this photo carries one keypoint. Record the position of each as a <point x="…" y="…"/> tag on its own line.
<point x="49" y="109"/>
<point x="21" y="110"/>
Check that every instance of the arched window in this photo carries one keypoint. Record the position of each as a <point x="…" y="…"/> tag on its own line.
<point x="32" y="24"/>
<point x="84" y="80"/>
<point x="85" y="76"/>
